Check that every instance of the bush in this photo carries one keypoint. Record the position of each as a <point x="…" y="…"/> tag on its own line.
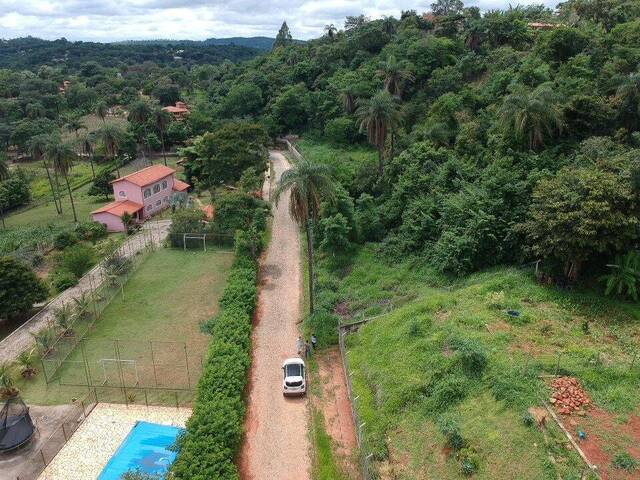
<point x="325" y="326"/>
<point x="117" y="264"/>
<point x="15" y="191"/>
<point x="77" y="259"/>
<point x="450" y="429"/>
<point x="208" y="447"/>
<point x="341" y="130"/>
<point x="469" y="461"/>
<point x="447" y="392"/>
<point x="91" y="231"/>
<point x="65" y="239"/>
<point x="624" y="461"/>
<point x="20" y="288"/>
<point x="60" y="280"/>
<point x="335" y="233"/>
<point x="471" y="356"/>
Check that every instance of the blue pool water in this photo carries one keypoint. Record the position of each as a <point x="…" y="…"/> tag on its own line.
<point x="145" y="449"/>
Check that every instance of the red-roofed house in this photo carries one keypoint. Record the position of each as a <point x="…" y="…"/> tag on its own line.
<point x="179" y="111"/>
<point x="140" y="194"/>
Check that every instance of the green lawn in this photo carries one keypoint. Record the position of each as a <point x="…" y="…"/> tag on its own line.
<point x="417" y="366"/>
<point x="165" y="300"/>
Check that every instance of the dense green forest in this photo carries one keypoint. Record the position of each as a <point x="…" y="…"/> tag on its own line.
<point x="499" y="141"/>
<point x="33" y="52"/>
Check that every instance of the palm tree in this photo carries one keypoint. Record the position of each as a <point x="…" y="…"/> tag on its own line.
<point x="111" y="137"/>
<point x="330" y="31"/>
<point x="36" y="147"/>
<point x="139" y="112"/>
<point x="532" y="116"/>
<point x="395" y="75"/>
<point x="629" y="94"/>
<point x="389" y="25"/>
<point x="86" y="146"/>
<point x="162" y="120"/>
<point x="74" y="124"/>
<point x="101" y="111"/>
<point x="61" y="155"/>
<point x="4" y="174"/>
<point x="378" y="115"/>
<point x="348" y="97"/>
<point x="308" y="184"/>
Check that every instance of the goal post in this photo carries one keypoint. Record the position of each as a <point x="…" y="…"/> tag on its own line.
<point x="194" y="236"/>
<point x="119" y="363"/>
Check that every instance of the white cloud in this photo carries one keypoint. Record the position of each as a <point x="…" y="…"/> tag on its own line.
<point x="106" y="20"/>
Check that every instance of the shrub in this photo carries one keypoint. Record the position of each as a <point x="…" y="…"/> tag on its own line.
<point x="77" y="259"/>
<point x="60" y="280"/>
<point x="20" y="288"/>
<point x="65" y="239"/>
<point x="325" y="326"/>
<point x="450" y="429"/>
<point x="91" y="231"/>
<point x="624" y="461"/>
<point x="471" y="355"/>
<point x="447" y="392"/>
<point x="208" y="447"/>
<point x="341" y="130"/>
<point x="469" y="461"/>
<point x="335" y="233"/>
<point x="117" y="264"/>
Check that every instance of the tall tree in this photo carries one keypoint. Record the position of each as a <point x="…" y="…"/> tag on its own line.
<point x="75" y="124"/>
<point x="162" y="120"/>
<point x="111" y="136"/>
<point x="629" y="95"/>
<point x="531" y="116"/>
<point x="36" y="148"/>
<point x="444" y="8"/>
<point x="101" y="111"/>
<point x="86" y="143"/>
<point x="378" y="115"/>
<point x="4" y="174"/>
<point x="348" y="98"/>
<point x="308" y="184"/>
<point x="139" y="112"/>
<point x="61" y="155"/>
<point x="283" y="38"/>
<point x="331" y="31"/>
<point x="395" y="75"/>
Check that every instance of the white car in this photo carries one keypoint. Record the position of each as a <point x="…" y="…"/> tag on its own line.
<point x="294" y="381"/>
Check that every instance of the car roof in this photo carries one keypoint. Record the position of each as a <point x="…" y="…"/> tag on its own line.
<point x="293" y="361"/>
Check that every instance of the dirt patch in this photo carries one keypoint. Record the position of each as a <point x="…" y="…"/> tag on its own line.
<point x="605" y="437"/>
<point x="336" y="409"/>
<point x="498" y="326"/>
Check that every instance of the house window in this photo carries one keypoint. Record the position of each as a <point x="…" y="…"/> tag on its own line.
<point x="156" y="188"/>
<point x="164" y="184"/>
<point x="158" y="203"/>
<point x="147" y="192"/>
<point x="149" y="207"/>
<point x="122" y="193"/>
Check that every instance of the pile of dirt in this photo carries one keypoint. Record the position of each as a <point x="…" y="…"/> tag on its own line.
<point x="568" y="396"/>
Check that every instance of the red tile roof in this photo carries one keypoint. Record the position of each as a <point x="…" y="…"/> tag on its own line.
<point x="208" y="210"/>
<point x="147" y="175"/>
<point x="180" y="186"/>
<point x="120" y="207"/>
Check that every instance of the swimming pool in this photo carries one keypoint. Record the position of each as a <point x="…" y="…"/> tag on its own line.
<point x="145" y="449"/>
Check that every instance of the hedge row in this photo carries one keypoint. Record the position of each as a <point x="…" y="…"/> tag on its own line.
<point x="208" y="447"/>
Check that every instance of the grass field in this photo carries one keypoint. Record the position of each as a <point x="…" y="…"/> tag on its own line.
<point x="345" y="161"/>
<point x="45" y="213"/>
<point x="447" y="353"/>
<point x="165" y="300"/>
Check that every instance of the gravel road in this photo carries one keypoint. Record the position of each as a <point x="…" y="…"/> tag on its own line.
<point x="276" y="444"/>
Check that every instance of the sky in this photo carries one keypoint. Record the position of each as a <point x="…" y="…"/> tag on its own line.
<point x="113" y="20"/>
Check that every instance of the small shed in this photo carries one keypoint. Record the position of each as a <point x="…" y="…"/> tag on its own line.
<point x="111" y="214"/>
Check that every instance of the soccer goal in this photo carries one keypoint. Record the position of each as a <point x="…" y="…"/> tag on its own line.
<point x="113" y="367"/>
<point x="194" y="236"/>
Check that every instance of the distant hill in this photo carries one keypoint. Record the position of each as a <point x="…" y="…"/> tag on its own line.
<point x="263" y="43"/>
<point x="31" y="52"/>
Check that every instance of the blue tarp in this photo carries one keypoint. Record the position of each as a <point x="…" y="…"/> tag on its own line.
<point x="145" y="449"/>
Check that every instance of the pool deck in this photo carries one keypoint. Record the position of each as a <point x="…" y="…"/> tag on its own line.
<point x="92" y="445"/>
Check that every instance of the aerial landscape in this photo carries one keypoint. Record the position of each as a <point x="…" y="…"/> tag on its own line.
<point x="340" y="241"/>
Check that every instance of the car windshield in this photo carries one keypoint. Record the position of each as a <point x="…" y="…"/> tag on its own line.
<point x="293" y="370"/>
